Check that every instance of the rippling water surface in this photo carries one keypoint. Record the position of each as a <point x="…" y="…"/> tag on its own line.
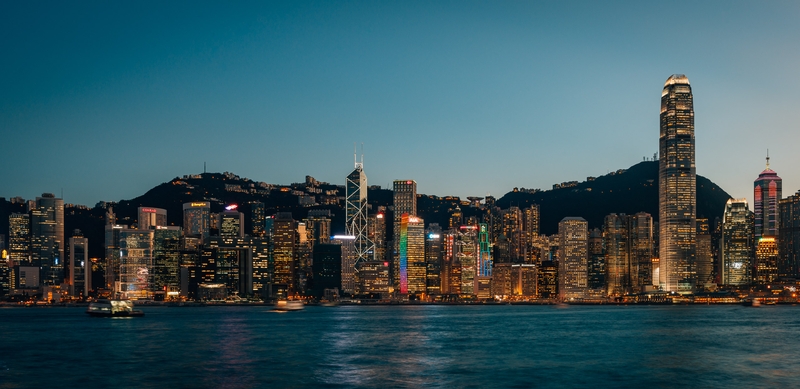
<point x="404" y="346"/>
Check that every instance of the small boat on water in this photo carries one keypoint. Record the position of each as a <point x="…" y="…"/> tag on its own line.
<point x="752" y="303"/>
<point x="113" y="308"/>
<point x="289" y="305"/>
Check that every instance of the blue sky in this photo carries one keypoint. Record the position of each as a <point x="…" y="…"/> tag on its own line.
<point x="108" y="99"/>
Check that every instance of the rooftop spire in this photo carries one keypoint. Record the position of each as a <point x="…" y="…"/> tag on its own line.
<point x="767" y="159"/>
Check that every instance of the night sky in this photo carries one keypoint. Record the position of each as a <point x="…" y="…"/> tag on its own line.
<point x="105" y="100"/>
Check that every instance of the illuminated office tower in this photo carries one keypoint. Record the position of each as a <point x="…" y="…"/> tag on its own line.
<point x="642" y="251"/>
<point x="112" y="244"/>
<point x="789" y="236"/>
<point x="19" y="238"/>
<point x="597" y="262"/>
<point x="677" y="187"/>
<point x="373" y="278"/>
<point x="512" y="228"/>
<point x="766" y="260"/>
<point x="433" y="258"/>
<point x="629" y="253"/>
<point x="47" y="238"/>
<point x="80" y="268"/>
<point x="258" y="219"/>
<point x="705" y="256"/>
<point x="483" y="277"/>
<point x="412" y="255"/>
<point x="531" y="225"/>
<point x="405" y="202"/>
<point x="766" y="196"/>
<point x="456" y="218"/>
<point x="376" y="228"/>
<point x="618" y="261"/>
<point x="229" y="263"/>
<point x="451" y="272"/>
<point x="262" y="272"/>
<point x="547" y="280"/>
<point x="319" y="223"/>
<point x="467" y="257"/>
<point x="327" y="269"/>
<point x="737" y="243"/>
<point x="164" y="277"/>
<point x="197" y="219"/>
<point x="231" y="222"/>
<point x="135" y="263"/>
<point x="283" y="241"/>
<point x="573" y="254"/>
<point x="304" y="245"/>
<point x="356" y="212"/>
<point x="348" y="264"/>
<point x="152" y="217"/>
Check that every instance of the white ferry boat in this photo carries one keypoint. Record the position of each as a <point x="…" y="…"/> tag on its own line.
<point x="289" y="305"/>
<point x="113" y="308"/>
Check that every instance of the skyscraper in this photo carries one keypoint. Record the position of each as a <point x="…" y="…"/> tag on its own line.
<point x="231" y="223"/>
<point x="766" y="260"/>
<point x="677" y="187"/>
<point x="356" y="212"/>
<point x="284" y="238"/>
<point x="19" y="238"/>
<point x="80" y="268"/>
<point x="257" y="218"/>
<point x="766" y="195"/>
<point x="135" y="263"/>
<point x="789" y="236"/>
<point x="433" y="258"/>
<point x="737" y="243"/>
<point x="412" y="255"/>
<point x="197" y="219"/>
<point x="152" y="217"/>
<point x="573" y="255"/>
<point x="47" y="238"/>
<point x="404" y="201"/>
<point x="347" y="268"/>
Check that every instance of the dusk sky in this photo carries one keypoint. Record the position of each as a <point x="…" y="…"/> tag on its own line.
<point x="108" y="99"/>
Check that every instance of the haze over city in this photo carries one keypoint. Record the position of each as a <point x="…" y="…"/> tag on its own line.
<point x="106" y="100"/>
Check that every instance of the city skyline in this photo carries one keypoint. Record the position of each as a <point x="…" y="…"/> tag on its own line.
<point x="512" y="95"/>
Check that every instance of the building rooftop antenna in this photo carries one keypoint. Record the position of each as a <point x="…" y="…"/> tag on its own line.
<point x="767" y="158"/>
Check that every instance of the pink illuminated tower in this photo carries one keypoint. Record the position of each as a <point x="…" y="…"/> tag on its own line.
<point x="766" y="194"/>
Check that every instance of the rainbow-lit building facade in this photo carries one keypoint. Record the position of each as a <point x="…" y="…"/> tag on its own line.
<point x="412" y="267"/>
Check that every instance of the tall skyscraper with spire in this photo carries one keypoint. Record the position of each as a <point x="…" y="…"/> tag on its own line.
<point x="356" y="211"/>
<point x="677" y="187"/>
<point x="766" y="195"/>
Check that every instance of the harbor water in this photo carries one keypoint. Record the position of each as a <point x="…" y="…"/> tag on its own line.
<point x="439" y="346"/>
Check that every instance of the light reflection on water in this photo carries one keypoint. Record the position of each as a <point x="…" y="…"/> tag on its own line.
<point x="404" y="346"/>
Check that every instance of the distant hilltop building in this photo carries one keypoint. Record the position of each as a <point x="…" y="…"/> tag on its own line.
<point x="677" y="187"/>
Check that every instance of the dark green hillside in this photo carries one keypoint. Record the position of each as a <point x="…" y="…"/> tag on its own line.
<point x="631" y="191"/>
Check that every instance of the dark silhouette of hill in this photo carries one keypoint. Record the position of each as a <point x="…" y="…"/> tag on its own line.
<point x="630" y="191"/>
